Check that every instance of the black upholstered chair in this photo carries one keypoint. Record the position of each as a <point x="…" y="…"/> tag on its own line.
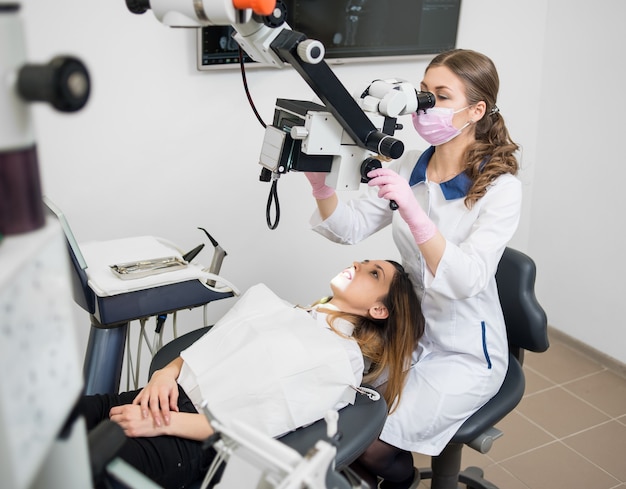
<point x="526" y="325"/>
<point x="358" y="425"/>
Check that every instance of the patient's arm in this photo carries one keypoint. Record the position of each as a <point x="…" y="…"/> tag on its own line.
<point x="184" y="425"/>
<point x="160" y="396"/>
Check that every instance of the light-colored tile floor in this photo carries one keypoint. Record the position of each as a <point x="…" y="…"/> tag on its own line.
<point x="569" y="431"/>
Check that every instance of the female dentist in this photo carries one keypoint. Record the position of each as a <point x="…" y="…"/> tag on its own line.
<point x="459" y="205"/>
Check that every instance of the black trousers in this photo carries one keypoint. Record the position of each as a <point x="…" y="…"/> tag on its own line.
<point x="170" y="461"/>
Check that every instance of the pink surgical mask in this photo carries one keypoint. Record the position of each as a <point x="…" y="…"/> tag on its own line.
<point x="435" y="125"/>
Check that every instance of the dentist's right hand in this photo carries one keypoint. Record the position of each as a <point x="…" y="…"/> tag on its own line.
<point x="317" y="180"/>
<point x="325" y="195"/>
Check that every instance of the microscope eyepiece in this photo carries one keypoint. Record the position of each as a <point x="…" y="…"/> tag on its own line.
<point x="63" y="83"/>
<point x="425" y="100"/>
<point x="138" y="6"/>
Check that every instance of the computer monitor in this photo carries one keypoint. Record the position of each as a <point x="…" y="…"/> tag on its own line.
<point x="352" y="30"/>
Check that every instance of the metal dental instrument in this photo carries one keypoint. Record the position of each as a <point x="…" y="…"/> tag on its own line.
<point x="145" y="268"/>
<point x="218" y="257"/>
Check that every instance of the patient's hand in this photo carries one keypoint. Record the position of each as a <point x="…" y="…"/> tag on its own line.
<point x="159" y="396"/>
<point x="132" y="421"/>
<point x="193" y="426"/>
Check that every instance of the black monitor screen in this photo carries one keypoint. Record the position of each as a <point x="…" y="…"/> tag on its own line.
<point x="353" y="30"/>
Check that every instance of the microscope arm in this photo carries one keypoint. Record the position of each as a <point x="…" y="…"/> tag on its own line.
<point x="336" y="98"/>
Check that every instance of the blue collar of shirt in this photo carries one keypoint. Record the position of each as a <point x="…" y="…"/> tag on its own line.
<point x="456" y="188"/>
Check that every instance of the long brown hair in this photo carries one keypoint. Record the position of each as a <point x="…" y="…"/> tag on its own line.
<point x="492" y="154"/>
<point x="389" y="343"/>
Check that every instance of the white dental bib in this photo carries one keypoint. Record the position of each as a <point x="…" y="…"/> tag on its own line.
<point x="270" y="365"/>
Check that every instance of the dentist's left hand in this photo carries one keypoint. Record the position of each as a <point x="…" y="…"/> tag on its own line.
<point x="393" y="187"/>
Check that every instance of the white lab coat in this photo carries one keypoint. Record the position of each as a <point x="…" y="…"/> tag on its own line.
<point x="272" y="365"/>
<point x="462" y="358"/>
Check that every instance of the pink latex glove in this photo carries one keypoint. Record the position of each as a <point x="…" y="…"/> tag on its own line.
<point x="392" y="186"/>
<point x="317" y="180"/>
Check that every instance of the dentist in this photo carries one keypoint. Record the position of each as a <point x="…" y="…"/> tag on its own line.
<point x="459" y="205"/>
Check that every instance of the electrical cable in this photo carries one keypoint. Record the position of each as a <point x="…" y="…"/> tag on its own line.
<point x="147" y="340"/>
<point x="245" y="86"/>
<point x="142" y="322"/>
<point x="129" y="360"/>
<point x="273" y="195"/>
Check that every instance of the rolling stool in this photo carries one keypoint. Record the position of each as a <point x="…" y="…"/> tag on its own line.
<point x="527" y="329"/>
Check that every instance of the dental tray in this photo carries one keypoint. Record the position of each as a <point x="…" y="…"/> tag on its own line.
<point x="146" y="268"/>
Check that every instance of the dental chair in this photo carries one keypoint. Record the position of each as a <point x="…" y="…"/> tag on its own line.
<point x="358" y="425"/>
<point x="527" y="329"/>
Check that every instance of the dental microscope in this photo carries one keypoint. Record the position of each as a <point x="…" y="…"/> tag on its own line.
<point x="346" y="135"/>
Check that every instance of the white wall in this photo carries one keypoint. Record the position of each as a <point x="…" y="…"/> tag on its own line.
<point x="162" y="149"/>
<point x="578" y="210"/>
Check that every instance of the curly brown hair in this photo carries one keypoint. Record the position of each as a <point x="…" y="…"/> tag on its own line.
<point x="493" y="152"/>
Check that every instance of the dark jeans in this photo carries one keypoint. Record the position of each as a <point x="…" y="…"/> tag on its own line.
<point x="170" y="461"/>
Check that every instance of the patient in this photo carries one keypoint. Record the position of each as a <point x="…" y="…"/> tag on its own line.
<point x="305" y="362"/>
